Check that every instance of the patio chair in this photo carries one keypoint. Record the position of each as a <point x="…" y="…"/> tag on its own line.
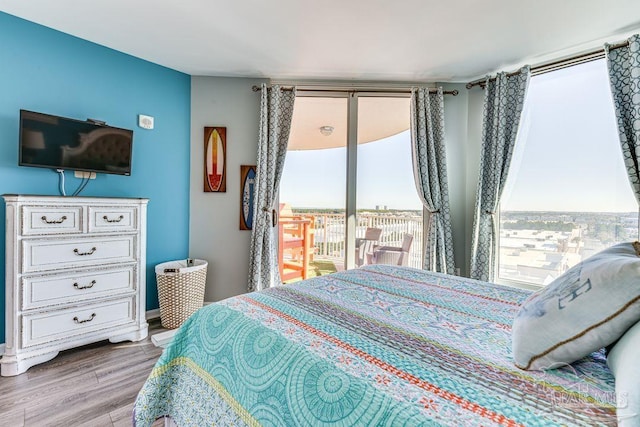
<point x="366" y="245"/>
<point x="393" y="255"/>
<point x="295" y="244"/>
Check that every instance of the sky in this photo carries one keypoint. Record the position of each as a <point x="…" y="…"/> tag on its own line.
<point x="567" y="157"/>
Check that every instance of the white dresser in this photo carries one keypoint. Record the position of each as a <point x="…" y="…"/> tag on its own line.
<point x="75" y="274"/>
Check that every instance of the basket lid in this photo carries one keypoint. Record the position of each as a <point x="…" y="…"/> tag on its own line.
<point x="181" y="266"/>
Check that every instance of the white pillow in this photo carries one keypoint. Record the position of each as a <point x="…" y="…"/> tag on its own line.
<point x="587" y="308"/>
<point x="624" y="361"/>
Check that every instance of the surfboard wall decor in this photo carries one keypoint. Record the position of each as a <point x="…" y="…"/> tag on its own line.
<point x="247" y="193"/>
<point x="215" y="159"/>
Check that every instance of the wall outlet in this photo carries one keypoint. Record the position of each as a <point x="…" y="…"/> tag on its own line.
<point x="457" y="271"/>
<point x="82" y="174"/>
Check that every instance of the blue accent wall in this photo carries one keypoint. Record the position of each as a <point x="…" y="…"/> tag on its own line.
<point x="51" y="72"/>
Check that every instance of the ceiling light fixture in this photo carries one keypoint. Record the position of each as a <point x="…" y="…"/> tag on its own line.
<point x="326" y="130"/>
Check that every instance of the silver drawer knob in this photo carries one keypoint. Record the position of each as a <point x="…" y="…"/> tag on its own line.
<point x="89" y="286"/>
<point x="120" y="218"/>
<point x="75" y="319"/>
<point x="53" y="221"/>
<point x="77" y="252"/>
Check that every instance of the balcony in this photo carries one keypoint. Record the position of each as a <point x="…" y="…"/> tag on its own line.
<point x="327" y="238"/>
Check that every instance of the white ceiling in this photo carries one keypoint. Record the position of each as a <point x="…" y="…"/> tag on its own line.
<point x="372" y="40"/>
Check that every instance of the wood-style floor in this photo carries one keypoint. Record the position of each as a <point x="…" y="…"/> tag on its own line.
<point x="94" y="385"/>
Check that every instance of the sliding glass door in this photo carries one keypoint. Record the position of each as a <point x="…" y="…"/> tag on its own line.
<point x="312" y="189"/>
<point x="348" y="170"/>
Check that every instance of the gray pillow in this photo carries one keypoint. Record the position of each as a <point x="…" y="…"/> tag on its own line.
<point x="588" y="307"/>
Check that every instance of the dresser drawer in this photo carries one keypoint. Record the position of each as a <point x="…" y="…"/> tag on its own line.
<point x="51" y="220"/>
<point x="43" y="291"/>
<point x="112" y="219"/>
<point x="39" y="255"/>
<point x="61" y="324"/>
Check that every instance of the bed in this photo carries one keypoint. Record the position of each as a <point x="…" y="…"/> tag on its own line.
<point x="379" y="345"/>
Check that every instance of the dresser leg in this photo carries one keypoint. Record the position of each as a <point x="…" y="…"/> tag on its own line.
<point x="15" y="365"/>
<point x="138" y="335"/>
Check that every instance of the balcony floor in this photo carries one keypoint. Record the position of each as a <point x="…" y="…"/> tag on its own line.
<point x="321" y="266"/>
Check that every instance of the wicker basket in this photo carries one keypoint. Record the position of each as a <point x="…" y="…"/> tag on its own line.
<point x="180" y="290"/>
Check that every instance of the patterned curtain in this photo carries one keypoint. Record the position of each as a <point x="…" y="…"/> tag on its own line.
<point x="276" y="111"/>
<point x="503" y="101"/>
<point x="624" y="76"/>
<point x="430" y="173"/>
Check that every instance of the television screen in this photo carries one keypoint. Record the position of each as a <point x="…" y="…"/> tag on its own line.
<point x="54" y="142"/>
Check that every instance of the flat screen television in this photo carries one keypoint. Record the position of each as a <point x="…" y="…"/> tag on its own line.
<point x="55" y="142"/>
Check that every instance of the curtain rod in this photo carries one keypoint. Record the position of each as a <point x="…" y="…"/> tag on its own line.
<point x="445" y="92"/>
<point x="547" y="67"/>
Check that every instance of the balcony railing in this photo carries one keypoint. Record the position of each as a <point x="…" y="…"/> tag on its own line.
<point x="329" y="232"/>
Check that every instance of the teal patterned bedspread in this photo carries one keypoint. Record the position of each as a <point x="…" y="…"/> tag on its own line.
<point x="375" y="346"/>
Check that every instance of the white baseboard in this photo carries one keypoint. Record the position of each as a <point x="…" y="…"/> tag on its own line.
<point x="153" y="314"/>
<point x="161" y="339"/>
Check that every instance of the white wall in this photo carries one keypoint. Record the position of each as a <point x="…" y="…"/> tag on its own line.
<point x="455" y="128"/>
<point x="473" y="147"/>
<point x="463" y="127"/>
<point x="214" y="233"/>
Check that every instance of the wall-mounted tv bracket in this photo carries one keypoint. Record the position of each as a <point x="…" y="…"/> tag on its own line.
<point x="97" y="122"/>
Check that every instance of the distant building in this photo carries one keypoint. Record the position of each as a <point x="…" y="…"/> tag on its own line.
<point x="537" y="256"/>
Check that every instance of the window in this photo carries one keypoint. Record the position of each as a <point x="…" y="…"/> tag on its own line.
<point x="567" y="194"/>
